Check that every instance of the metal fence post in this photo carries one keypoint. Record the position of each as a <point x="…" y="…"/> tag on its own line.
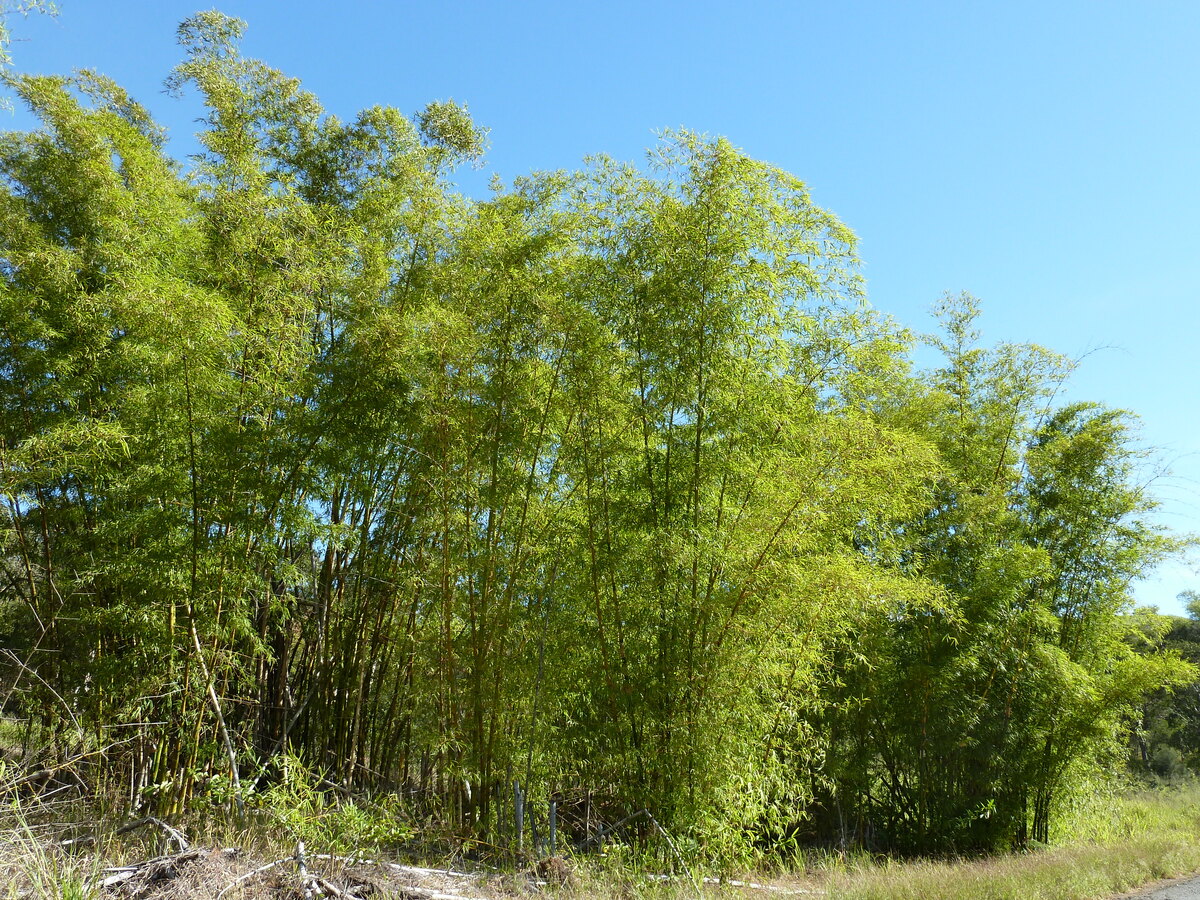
<point x="519" y="809"/>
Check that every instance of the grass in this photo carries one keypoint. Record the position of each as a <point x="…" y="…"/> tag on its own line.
<point x="1109" y="844"/>
<point x="1069" y="873"/>
<point x="34" y="869"/>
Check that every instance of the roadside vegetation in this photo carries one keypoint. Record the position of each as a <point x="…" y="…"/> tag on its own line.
<point x="603" y="515"/>
<point x="1113" y="842"/>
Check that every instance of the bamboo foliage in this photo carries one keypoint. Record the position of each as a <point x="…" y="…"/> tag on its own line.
<point x="962" y="728"/>
<point x="611" y="485"/>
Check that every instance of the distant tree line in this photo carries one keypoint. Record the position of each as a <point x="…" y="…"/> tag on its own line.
<point x="1165" y="742"/>
<point x="611" y="484"/>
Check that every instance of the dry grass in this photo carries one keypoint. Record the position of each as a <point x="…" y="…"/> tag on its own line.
<point x="61" y="860"/>
<point x="1116" y="844"/>
<point x="1071" y="873"/>
<point x="30" y="866"/>
<point x="1112" y="845"/>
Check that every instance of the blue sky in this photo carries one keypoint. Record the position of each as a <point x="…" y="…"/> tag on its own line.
<point x="1041" y="155"/>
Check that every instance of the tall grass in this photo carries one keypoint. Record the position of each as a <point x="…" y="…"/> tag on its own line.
<point x="1110" y="843"/>
<point x="34" y="868"/>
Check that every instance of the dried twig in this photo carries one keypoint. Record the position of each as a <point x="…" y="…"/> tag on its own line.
<point x="173" y="833"/>
<point x="242" y="879"/>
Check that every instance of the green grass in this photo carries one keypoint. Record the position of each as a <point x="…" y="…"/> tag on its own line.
<point x="1112" y="844"/>
<point x="1107" y="844"/>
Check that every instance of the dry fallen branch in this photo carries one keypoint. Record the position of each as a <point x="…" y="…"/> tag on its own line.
<point x="314" y="876"/>
<point x="242" y="879"/>
<point x="173" y="833"/>
<point x="145" y="879"/>
<point x="419" y="871"/>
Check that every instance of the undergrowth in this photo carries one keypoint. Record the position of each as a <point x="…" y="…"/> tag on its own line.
<point x="1109" y="841"/>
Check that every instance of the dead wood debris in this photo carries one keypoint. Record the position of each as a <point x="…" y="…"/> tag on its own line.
<point x="226" y="873"/>
<point x="555" y="870"/>
<point x="171" y="832"/>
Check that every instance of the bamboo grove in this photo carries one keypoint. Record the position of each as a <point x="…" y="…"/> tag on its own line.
<point x="611" y="484"/>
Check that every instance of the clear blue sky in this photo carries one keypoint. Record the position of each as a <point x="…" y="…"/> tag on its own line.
<point x="1041" y="155"/>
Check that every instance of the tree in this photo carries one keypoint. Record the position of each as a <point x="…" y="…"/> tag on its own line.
<point x="723" y="475"/>
<point x="970" y="722"/>
<point x="1166" y="738"/>
<point x="609" y="485"/>
<point x="24" y="8"/>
